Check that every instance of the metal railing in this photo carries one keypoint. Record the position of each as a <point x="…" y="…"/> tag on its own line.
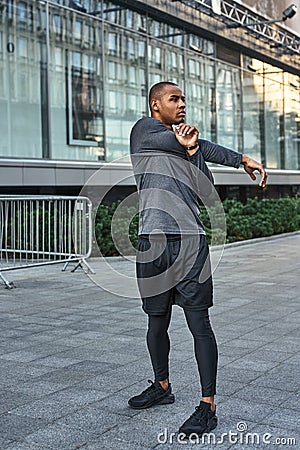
<point x="40" y="230"/>
<point x="232" y="12"/>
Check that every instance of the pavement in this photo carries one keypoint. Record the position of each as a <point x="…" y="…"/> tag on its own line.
<point x="72" y="353"/>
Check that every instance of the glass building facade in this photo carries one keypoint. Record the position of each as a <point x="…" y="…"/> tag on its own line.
<point x="73" y="83"/>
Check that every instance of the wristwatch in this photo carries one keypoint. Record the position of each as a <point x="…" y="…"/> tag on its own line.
<point x="192" y="147"/>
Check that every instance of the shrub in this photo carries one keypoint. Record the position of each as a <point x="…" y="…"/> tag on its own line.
<point x="256" y="218"/>
<point x="103" y="231"/>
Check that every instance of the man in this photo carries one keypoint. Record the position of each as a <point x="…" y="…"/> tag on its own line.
<point x="168" y="161"/>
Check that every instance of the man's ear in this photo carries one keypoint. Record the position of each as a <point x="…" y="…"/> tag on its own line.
<point x="154" y="105"/>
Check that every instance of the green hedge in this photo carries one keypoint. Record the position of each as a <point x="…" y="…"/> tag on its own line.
<point x="259" y="218"/>
<point x="103" y="221"/>
<point x="256" y="218"/>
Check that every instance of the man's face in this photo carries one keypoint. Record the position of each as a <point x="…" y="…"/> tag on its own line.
<point x="169" y="108"/>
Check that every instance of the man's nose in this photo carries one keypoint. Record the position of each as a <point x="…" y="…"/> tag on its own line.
<point x="181" y="104"/>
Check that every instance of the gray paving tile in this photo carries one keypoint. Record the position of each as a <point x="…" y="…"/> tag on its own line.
<point x="60" y="437"/>
<point x="238" y="374"/>
<point x="248" y="362"/>
<point x="4" y="443"/>
<point x="118" y="404"/>
<point x="58" y="404"/>
<point x="281" y="382"/>
<point x="25" y="446"/>
<point x="229" y="387"/>
<point x="286" y="418"/>
<point x="77" y="372"/>
<point x="294" y="400"/>
<point x="269" y="396"/>
<point x="39" y="389"/>
<point x="269" y="355"/>
<point x="10" y="400"/>
<point x="248" y="344"/>
<point x="291" y="370"/>
<point x="19" y="373"/>
<point x="16" y="426"/>
<point x="109" y="442"/>
<point x="244" y="410"/>
<point x="141" y="432"/>
<point x="33" y="353"/>
<point x="96" y="419"/>
<point x="56" y="362"/>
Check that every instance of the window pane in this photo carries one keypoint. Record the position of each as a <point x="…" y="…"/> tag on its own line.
<point x="292" y="121"/>
<point x="21" y="72"/>
<point x="200" y="86"/>
<point x="253" y="133"/>
<point x="76" y="88"/>
<point x="273" y="81"/>
<point x="228" y="88"/>
<point x="126" y="93"/>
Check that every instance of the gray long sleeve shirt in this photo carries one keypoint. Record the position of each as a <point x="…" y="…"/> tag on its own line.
<point x="169" y="180"/>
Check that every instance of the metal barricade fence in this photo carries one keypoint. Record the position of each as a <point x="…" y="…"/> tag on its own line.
<point x="40" y="230"/>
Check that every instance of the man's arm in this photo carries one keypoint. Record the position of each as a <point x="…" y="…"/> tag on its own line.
<point x="222" y="155"/>
<point x="218" y="154"/>
<point x="188" y="135"/>
<point x="151" y="136"/>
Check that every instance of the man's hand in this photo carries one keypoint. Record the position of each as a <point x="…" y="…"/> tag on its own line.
<point x="250" y="165"/>
<point x="186" y="135"/>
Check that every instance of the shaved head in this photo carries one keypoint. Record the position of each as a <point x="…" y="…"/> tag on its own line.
<point x="157" y="90"/>
<point x="167" y="103"/>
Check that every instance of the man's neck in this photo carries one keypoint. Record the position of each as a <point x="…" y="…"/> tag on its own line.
<point x="167" y="126"/>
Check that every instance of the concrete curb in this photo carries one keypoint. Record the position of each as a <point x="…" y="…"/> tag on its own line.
<point x="254" y="241"/>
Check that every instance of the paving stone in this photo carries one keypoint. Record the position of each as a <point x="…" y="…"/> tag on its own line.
<point x="9" y="400"/>
<point x="4" y="443"/>
<point x="106" y="443"/>
<point x="250" y="363"/>
<point x="33" y="353"/>
<point x="263" y="354"/>
<point x="245" y="410"/>
<point x="60" y="437"/>
<point x="280" y="381"/>
<point x="56" y="362"/>
<point x="17" y="426"/>
<point x="286" y="418"/>
<point x="96" y="419"/>
<point x="77" y="372"/>
<point x="60" y="403"/>
<point x="270" y="396"/>
<point x="229" y="387"/>
<point x="25" y="446"/>
<point x="238" y="374"/>
<point x="39" y="389"/>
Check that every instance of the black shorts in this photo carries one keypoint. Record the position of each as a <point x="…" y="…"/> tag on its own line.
<point x="174" y="271"/>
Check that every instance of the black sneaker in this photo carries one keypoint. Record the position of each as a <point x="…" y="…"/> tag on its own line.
<point x="153" y="395"/>
<point x="203" y="420"/>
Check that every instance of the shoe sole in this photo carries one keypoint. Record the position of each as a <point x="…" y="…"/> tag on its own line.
<point x="164" y="401"/>
<point x="212" y="426"/>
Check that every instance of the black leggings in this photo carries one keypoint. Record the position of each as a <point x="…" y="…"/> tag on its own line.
<point x="205" y="345"/>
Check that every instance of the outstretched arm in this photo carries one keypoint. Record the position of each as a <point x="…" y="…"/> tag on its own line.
<point x="250" y="166"/>
<point x="227" y="157"/>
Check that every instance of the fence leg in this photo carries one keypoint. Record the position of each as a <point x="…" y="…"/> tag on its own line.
<point x="66" y="264"/>
<point x="8" y="284"/>
<point x="82" y="263"/>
